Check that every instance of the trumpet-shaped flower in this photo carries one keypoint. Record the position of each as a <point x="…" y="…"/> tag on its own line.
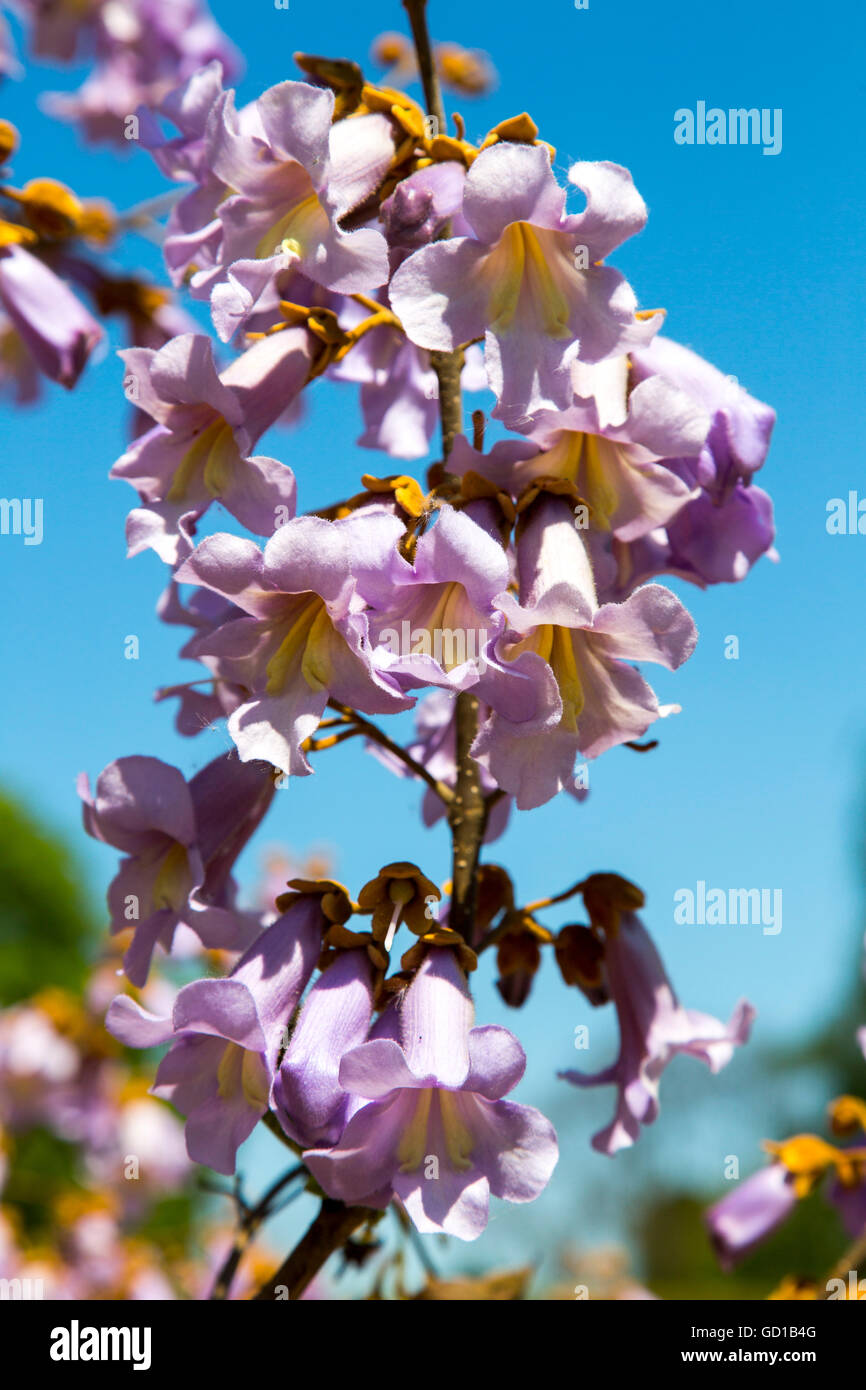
<point x="294" y="175"/>
<point x="749" y="1214"/>
<point x="309" y="1101"/>
<point x="654" y="1027"/>
<point x="729" y="525"/>
<point x="226" y="1035"/>
<point x="433" y="1128"/>
<point x="592" y="698"/>
<point x="615" y="470"/>
<point x="442" y="625"/>
<point x="207" y="424"/>
<point x="179" y="841"/>
<point x="53" y="324"/>
<point x="303" y="636"/>
<point x="529" y="278"/>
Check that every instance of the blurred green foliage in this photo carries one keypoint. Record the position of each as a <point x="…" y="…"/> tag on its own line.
<point x="679" y="1262"/>
<point x="47" y="934"/>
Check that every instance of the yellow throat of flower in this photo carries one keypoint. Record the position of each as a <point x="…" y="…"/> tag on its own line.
<point x="555" y="645"/>
<point x="243" y="1072"/>
<point x="214" y="453"/>
<point x="307" y="645"/>
<point x="529" y="268"/>
<point x="172" y="883"/>
<point x="301" y="228"/>
<point x="415" y="1144"/>
<point x="591" y="463"/>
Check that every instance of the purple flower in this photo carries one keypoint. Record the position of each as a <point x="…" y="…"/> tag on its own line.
<point x="309" y="1101"/>
<point x="614" y="468"/>
<point x="144" y="48"/>
<point x="204" y="613"/>
<point x="54" y="325"/>
<point x="590" y="699"/>
<point x="712" y="543"/>
<point x="442" y="625"/>
<point x="207" y="425"/>
<point x="721" y="533"/>
<point x="849" y="1199"/>
<point x="303" y="636"/>
<point x="432" y="1127"/>
<point x="748" y="1215"/>
<point x="180" y="841"/>
<point x="226" y="1035"/>
<point x="294" y="175"/>
<point x="420" y="206"/>
<point x="182" y="157"/>
<point x="654" y="1027"/>
<point x="739" y="438"/>
<point x="44" y="1078"/>
<point x="528" y="277"/>
<point x="193" y="231"/>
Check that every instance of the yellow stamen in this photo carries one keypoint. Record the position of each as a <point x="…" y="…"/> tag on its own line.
<point x="564" y="664"/>
<point x="591" y="463"/>
<point x="50" y="207"/>
<point x="11" y="234"/>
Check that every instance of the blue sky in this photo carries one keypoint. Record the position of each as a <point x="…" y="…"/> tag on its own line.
<point x="760" y="781"/>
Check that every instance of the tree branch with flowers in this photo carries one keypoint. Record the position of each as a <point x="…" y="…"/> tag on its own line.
<point x="334" y="229"/>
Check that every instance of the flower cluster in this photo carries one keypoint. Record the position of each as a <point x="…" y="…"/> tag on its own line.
<point x="335" y="233"/>
<point x="139" y="51"/>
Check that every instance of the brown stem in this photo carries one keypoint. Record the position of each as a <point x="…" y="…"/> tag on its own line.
<point x="331" y="1229"/>
<point x="377" y="735"/>
<point x="335" y="1222"/>
<point x="416" y="10"/>
<point x="446" y="365"/>
<point x="249" y="1225"/>
<point x="467" y="813"/>
<point x="467" y="818"/>
<point x="478" y="430"/>
<point x="559" y="898"/>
